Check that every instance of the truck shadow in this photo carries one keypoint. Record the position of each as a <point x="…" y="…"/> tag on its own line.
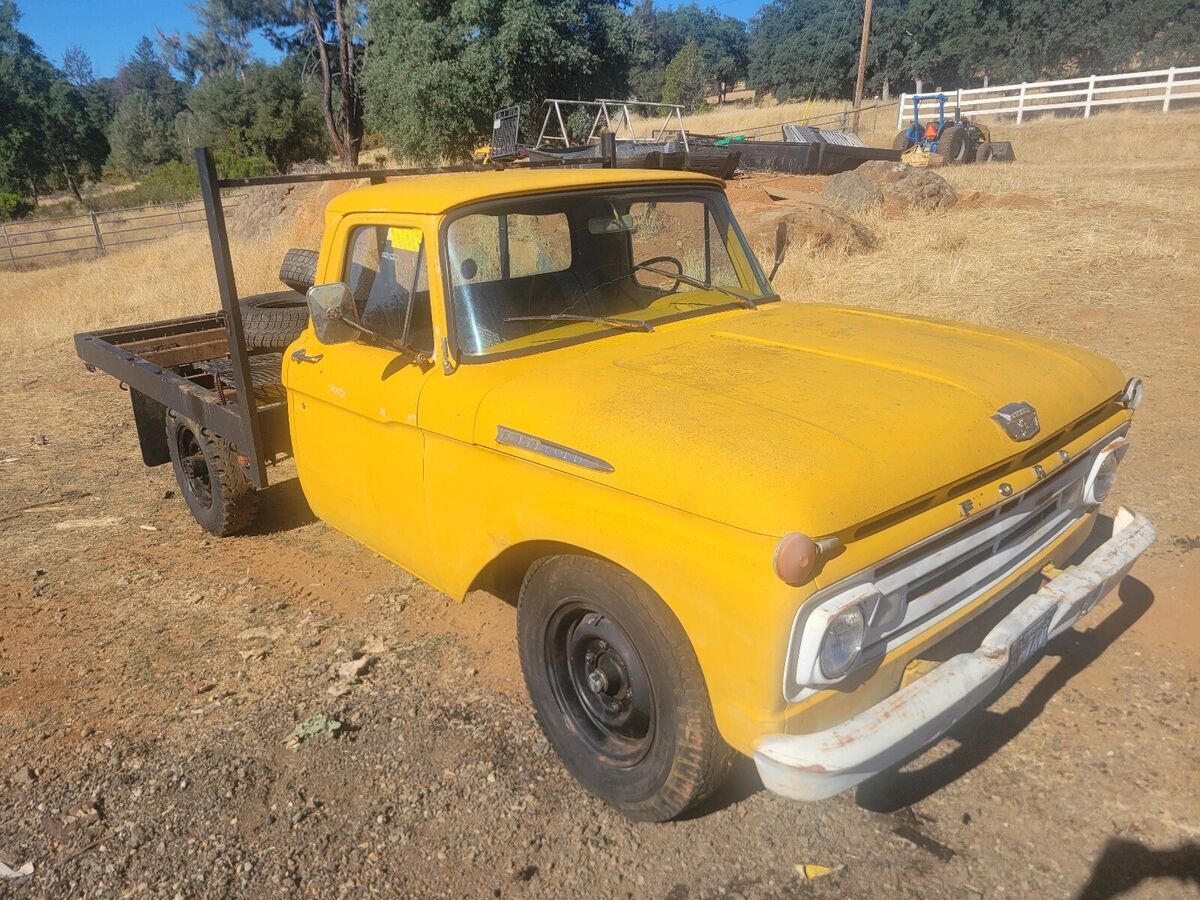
<point x="282" y="508"/>
<point x="982" y="733"/>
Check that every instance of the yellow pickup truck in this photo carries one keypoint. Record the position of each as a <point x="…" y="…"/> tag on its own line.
<point x="810" y="534"/>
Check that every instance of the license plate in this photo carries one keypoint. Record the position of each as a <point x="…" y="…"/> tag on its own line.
<point x="1029" y="644"/>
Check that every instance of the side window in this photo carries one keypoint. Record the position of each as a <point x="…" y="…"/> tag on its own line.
<point x="387" y="272"/>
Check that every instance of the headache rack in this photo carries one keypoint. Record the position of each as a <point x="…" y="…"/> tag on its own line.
<point x="200" y="366"/>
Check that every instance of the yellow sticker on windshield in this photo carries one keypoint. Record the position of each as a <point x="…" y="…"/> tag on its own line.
<point x="405" y="238"/>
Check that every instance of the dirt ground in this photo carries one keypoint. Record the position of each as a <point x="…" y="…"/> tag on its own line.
<point x="151" y="676"/>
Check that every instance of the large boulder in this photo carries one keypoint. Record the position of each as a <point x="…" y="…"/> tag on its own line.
<point x="812" y="225"/>
<point x="853" y="192"/>
<point x="907" y="187"/>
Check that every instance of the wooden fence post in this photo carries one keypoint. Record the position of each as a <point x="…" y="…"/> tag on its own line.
<point x="1021" y="103"/>
<point x="8" y="244"/>
<point x="1087" y="104"/>
<point x="99" y="240"/>
<point x="1167" y="93"/>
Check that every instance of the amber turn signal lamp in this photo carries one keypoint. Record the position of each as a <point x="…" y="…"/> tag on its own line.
<point x="796" y="557"/>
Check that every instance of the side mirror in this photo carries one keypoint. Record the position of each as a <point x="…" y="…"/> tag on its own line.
<point x="781" y="244"/>
<point x="333" y="313"/>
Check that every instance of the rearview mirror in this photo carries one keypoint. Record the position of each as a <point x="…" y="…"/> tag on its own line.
<point x="614" y="224"/>
<point x="333" y="313"/>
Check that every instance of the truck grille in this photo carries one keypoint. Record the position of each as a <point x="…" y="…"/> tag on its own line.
<point x="930" y="580"/>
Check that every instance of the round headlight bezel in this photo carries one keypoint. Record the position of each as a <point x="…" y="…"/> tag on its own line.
<point x="1103" y="473"/>
<point x="849" y="623"/>
<point x="1101" y="480"/>
<point x="1134" y="393"/>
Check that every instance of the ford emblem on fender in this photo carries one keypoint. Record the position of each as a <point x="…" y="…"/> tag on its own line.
<point x="1019" y="420"/>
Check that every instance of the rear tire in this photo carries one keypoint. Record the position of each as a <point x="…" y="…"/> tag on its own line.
<point x="952" y="145"/>
<point x="617" y="688"/>
<point x="901" y="142"/>
<point x="214" y="487"/>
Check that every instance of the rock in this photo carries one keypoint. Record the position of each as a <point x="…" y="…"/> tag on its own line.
<point x="266" y="634"/>
<point x="907" y="187"/>
<point x="853" y="192"/>
<point x="23" y="777"/>
<point x="812" y="225"/>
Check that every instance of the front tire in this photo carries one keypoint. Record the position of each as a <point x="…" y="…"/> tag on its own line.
<point x="617" y="688"/>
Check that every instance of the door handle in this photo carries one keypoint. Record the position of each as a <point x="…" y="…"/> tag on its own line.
<point x="300" y="356"/>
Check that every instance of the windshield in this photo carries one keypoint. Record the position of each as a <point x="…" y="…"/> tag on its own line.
<point x="531" y="272"/>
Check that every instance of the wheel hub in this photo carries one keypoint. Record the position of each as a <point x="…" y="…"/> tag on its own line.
<point x="602" y="685"/>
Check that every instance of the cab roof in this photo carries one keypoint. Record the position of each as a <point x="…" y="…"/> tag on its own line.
<point x="440" y="193"/>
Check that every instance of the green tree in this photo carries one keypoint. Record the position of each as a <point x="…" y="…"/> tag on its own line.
<point x="48" y="138"/>
<point x="267" y="112"/>
<point x="77" y="66"/>
<point x="329" y="35"/>
<point x="437" y="70"/>
<point x="659" y="36"/>
<point x="684" y="81"/>
<point x="142" y="133"/>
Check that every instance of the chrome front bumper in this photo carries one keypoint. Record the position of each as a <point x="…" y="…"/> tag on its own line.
<point x="815" y="766"/>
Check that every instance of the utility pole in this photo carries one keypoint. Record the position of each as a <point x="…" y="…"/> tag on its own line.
<point x="862" y="64"/>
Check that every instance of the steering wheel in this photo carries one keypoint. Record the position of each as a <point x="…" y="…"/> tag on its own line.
<point x="663" y="259"/>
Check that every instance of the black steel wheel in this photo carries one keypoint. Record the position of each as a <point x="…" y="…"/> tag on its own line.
<point x="617" y="688"/>
<point x="598" y="676"/>
<point x="213" y="486"/>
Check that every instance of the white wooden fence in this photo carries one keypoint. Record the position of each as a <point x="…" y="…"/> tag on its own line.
<point x="1087" y="93"/>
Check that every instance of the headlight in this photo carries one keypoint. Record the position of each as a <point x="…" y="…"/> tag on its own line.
<point x="842" y="642"/>
<point x="1104" y="472"/>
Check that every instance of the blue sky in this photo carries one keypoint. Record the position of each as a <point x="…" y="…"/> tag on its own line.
<point x="109" y="29"/>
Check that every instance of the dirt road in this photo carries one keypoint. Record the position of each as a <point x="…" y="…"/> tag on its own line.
<point x="150" y="679"/>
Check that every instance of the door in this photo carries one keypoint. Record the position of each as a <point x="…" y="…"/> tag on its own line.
<point x="353" y="406"/>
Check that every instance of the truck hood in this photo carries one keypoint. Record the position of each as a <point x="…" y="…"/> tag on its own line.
<point x="793" y="417"/>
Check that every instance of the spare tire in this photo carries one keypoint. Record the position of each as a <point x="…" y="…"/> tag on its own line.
<point x="299" y="269"/>
<point x="272" y="321"/>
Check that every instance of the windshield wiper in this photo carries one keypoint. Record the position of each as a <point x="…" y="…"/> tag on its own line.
<point x="625" y="324"/>
<point x="697" y="283"/>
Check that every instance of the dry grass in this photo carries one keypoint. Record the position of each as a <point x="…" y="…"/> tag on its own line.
<point x="155" y="280"/>
<point x="1101" y="211"/>
<point x="1094" y="212"/>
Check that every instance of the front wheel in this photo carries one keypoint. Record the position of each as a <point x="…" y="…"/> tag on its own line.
<point x="617" y="688"/>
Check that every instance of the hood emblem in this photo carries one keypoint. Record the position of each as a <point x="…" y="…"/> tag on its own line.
<point x="1019" y="420"/>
